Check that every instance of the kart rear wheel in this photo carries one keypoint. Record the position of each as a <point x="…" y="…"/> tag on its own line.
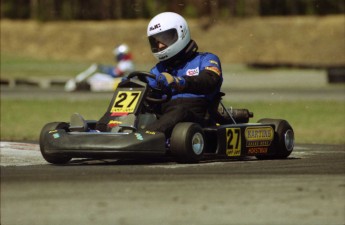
<point x="187" y="143"/>
<point x="284" y="139"/>
<point x="53" y="158"/>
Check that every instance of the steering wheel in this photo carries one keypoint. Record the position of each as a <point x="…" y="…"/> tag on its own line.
<point x="142" y="75"/>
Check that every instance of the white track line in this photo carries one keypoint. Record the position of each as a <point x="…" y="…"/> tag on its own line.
<point x="20" y="154"/>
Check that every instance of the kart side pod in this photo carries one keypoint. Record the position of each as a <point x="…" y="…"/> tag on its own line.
<point x="267" y="139"/>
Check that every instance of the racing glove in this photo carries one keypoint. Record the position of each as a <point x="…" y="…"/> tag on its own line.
<point x="167" y="81"/>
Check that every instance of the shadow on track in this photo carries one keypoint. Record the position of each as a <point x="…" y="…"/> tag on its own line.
<point x="160" y="161"/>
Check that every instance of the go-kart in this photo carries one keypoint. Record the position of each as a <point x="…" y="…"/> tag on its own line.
<point x="93" y="79"/>
<point x="121" y="132"/>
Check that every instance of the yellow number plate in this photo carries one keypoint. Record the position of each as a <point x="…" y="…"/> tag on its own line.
<point x="126" y="101"/>
<point x="233" y="141"/>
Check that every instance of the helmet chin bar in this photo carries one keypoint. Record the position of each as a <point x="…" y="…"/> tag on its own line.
<point x="183" y="55"/>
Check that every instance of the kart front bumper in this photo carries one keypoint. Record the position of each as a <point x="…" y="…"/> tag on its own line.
<point x="104" y="145"/>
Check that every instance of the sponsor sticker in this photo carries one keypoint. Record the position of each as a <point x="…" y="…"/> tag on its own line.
<point x="119" y="114"/>
<point x="114" y="123"/>
<point x="257" y="150"/>
<point x="163" y="57"/>
<point x="154" y="27"/>
<point x="193" y="72"/>
<point x="214" y="62"/>
<point x="259" y="136"/>
<point x="139" y="136"/>
<point x="213" y="69"/>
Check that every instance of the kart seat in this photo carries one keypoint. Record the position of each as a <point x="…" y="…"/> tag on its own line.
<point x="145" y="119"/>
<point x="115" y="124"/>
<point x="123" y="124"/>
<point x="216" y="112"/>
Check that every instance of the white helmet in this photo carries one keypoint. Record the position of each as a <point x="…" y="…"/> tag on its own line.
<point x="171" y="30"/>
<point x="121" y="51"/>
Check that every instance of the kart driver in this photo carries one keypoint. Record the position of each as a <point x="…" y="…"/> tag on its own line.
<point x="193" y="77"/>
<point x="101" y="77"/>
<point x="124" y="62"/>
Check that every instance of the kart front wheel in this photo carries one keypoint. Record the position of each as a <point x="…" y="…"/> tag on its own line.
<point x="284" y="139"/>
<point x="53" y="158"/>
<point x="187" y="142"/>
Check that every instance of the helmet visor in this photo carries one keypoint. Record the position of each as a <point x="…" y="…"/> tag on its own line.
<point x="163" y="40"/>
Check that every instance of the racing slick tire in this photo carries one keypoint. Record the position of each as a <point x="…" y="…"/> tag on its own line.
<point x="283" y="141"/>
<point x="53" y="158"/>
<point x="187" y="143"/>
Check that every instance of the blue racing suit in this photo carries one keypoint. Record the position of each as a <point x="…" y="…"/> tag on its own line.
<point x="193" y="67"/>
<point x="203" y="79"/>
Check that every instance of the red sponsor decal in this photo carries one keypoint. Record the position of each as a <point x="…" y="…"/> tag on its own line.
<point x="119" y="114"/>
<point x="114" y="123"/>
<point x="213" y="69"/>
<point x="258" y="150"/>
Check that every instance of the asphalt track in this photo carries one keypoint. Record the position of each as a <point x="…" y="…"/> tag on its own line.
<point x="306" y="188"/>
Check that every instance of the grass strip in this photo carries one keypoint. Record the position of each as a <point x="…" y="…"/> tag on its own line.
<point x="315" y="122"/>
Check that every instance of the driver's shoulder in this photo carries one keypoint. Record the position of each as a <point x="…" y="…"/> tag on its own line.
<point x="158" y="68"/>
<point x="208" y="56"/>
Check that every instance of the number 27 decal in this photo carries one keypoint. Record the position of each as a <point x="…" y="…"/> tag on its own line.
<point x="126" y="101"/>
<point x="233" y="141"/>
